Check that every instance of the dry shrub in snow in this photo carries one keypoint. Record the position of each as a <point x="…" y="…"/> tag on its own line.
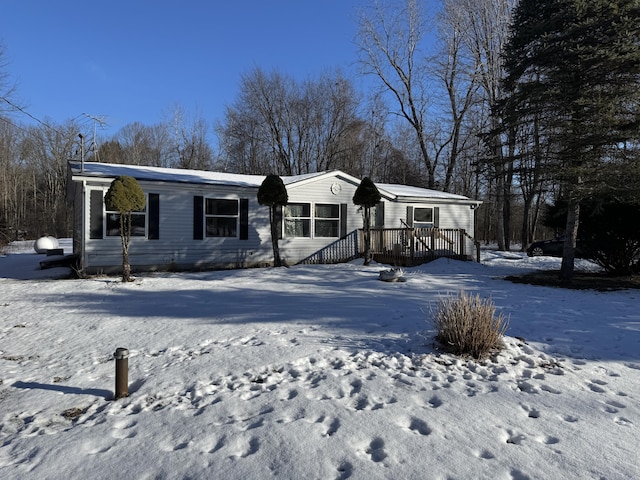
<point x="468" y="325"/>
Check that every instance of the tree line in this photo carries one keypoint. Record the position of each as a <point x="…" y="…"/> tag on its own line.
<point x="457" y="103"/>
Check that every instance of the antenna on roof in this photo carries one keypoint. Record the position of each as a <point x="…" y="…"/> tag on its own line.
<point x="97" y="120"/>
<point x="81" y="152"/>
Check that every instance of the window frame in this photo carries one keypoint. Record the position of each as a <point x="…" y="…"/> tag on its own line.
<point x="317" y="219"/>
<point x="302" y="218"/>
<point x="207" y="216"/>
<point x="421" y="224"/>
<point x="113" y="214"/>
<point x="312" y="218"/>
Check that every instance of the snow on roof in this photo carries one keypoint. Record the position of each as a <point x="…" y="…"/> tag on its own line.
<point x="396" y="190"/>
<point x="176" y="175"/>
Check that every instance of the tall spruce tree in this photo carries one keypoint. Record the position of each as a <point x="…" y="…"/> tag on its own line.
<point x="574" y="65"/>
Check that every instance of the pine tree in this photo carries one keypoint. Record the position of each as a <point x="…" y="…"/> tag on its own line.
<point x="575" y="66"/>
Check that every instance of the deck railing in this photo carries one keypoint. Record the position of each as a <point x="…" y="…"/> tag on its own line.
<point x="342" y="250"/>
<point x="413" y="246"/>
<point x="397" y="246"/>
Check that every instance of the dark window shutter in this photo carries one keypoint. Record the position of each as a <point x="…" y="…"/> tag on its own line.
<point x="436" y="217"/>
<point x="278" y="218"/>
<point x="244" y="219"/>
<point x="379" y="222"/>
<point x="343" y="220"/>
<point x="410" y="216"/>
<point x="95" y="214"/>
<point x="198" y="218"/>
<point x="153" y="210"/>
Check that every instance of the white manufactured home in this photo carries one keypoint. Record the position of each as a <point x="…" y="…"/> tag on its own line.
<point x="205" y="220"/>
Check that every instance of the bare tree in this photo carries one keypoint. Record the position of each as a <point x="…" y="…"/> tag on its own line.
<point x="458" y="73"/>
<point x="390" y="38"/>
<point x="46" y="149"/>
<point x="189" y="139"/>
<point x="7" y="86"/>
<point x="142" y="145"/>
<point x="12" y="211"/>
<point x="484" y="25"/>
<point x="280" y="125"/>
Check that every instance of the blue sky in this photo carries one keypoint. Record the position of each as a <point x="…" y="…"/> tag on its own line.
<point x="134" y="60"/>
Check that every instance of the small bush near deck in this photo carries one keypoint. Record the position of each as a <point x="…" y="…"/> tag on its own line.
<point x="468" y="325"/>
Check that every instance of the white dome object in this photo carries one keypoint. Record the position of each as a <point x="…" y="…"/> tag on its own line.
<point x="45" y="243"/>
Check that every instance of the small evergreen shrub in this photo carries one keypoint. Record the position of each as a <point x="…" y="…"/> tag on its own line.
<point x="468" y="325"/>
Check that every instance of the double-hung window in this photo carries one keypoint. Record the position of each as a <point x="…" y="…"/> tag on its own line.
<point x="297" y="220"/>
<point x="138" y="223"/>
<point x="106" y="223"/>
<point x="423" y="218"/>
<point x="221" y="217"/>
<point x="327" y="220"/>
<point x="317" y="221"/>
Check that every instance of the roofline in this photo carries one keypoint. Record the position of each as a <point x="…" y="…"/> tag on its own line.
<point x="293" y="181"/>
<point x="288" y="180"/>
<point x="322" y="175"/>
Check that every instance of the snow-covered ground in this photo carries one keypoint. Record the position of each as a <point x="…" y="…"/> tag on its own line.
<point x="314" y="372"/>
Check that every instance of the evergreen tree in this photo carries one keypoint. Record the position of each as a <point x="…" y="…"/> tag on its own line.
<point x="366" y="196"/>
<point x="273" y="193"/>
<point x="574" y="65"/>
<point x="125" y="196"/>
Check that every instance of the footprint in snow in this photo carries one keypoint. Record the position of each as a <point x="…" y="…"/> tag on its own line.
<point x="435" y="402"/>
<point x="376" y="450"/>
<point x="531" y="412"/>
<point x="419" y="426"/>
<point x="623" y="422"/>
<point x="244" y="449"/>
<point x="595" y="387"/>
<point x="345" y="470"/>
<point x="486" y="455"/>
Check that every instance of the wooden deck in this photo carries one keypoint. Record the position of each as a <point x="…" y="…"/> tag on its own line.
<point x="401" y="247"/>
<point x="405" y="247"/>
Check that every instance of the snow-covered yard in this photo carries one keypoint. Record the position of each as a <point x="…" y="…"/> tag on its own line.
<point x="315" y="372"/>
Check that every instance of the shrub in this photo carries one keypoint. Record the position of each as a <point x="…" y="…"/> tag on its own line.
<point x="468" y="325"/>
<point x="125" y="196"/>
<point x="367" y="196"/>
<point x="273" y="193"/>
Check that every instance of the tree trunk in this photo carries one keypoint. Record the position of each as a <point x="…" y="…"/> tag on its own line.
<point x="367" y="235"/>
<point x="125" y="236"/>
<point x="500" y="232"/>
<point x="277" y="261"/>
<point x="570" y="236"/>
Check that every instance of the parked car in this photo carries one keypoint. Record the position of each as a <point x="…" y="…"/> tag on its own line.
<point x="553" y="248"/>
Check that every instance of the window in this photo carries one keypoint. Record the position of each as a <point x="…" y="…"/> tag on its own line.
<point x="221" y="217"/>
<point x="297" y="220"/>
<point x="327" y="220"/>
<point x="423" y="218"/>
<point x="103" y="224"/>
<point x="138" y="223"/>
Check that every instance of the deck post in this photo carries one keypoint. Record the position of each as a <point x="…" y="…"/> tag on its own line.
<point x="413" y="245"/>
